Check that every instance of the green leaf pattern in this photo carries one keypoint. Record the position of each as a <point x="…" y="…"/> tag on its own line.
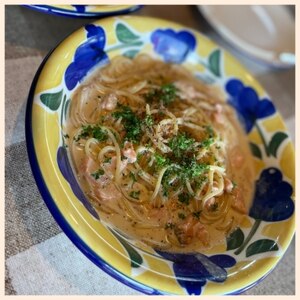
<point x="135" y="257"/>
<point x="261" y="246"/>
<point x="52" y="100"/>
<point x="235" y="239"/>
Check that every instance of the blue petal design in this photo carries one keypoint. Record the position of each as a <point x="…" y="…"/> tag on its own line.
<point x="272" y="201"/>
<point x="87" y="55"/>
<point x="266" y="108"/>
<point x="194" y="269"/>
<point x="174" y="47"/>
<point x="80" y="8"/>
<point x="247" y="103"/>
<point x="67" y="172"/>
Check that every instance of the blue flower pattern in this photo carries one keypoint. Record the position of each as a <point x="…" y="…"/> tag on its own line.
<point x="247" y="103"/>
<point x="272" y="200"/>
<point x="193" y="270"/>
<point x="174" y="47"/>
<point x="80" y="8"/>
<point x="87" y="55"/>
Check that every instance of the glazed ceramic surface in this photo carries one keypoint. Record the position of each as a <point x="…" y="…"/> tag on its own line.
<point x="265" y="33"/>
<point x="85" y="11"/>
<point x="252" y="250"/>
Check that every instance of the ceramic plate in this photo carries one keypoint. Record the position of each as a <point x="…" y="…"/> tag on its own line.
<point x="265" y="33"/>
<point x="252" y="250"/>
<point x="85" y="11"/>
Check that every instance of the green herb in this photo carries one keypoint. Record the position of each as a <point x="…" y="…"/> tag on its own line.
<point x="234" y="184"/>
<point x="139" y="156"/>
<point x="66" y="136"/>
<point x="210" y="131"/>
<point x="181" y="216"/>
<point x="165" y="94"/>
<point x="168" y="92"/>
<point x="207" y="143"/>
<point x="161" y="161"/>
<point x="149" y="122"/>
<point x="200" y="181"/>
<point x="98" y="173"/>
<point x="132" y="176"/>
<point x="197" y="214"/>
<point x="132" y="123"/>
<point x="135" y="194"/>
<point x="107" y="160"/>
<point x="94" y="131"/>
<point x="191" y="169"/>
<point x="180" y="144"/>
<point x="184" y="198"/>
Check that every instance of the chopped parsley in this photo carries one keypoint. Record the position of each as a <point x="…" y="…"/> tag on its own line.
<point x="66" y="136"/>
<point x="197" y="214"/>
<point x="184" y="198"/>
<point x="234" y="184"/>
<point x="181" y="216"/>
<point x="166" y="94"/>
<point x="135" y="194"/>
<point x="132" y="177"/>
<point x="98" y="173"/>
<point x="107" y="160"/>
<point x="209" y="131"/>
<point x="131" y="122"/>
<point x="191" y="169"/>
<point x="180" y="144"/>
<point x="94" y="131"/>
<point x="148" y="121"/>
<point x="207" y="143"/>
<point x="161" y="161"/>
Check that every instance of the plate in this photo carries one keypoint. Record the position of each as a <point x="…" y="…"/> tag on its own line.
<point x="264" y="33"/>
<point x="251" y="251"/>
<point x="85" y="11"/>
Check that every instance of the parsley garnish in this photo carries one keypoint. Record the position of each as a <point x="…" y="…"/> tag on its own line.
<point x="165" y="94"/>
<point x="197" y="214"/>
<point x="132" y="123"/>
<point x="149" y="122"/>
<point x="161" y="161"/>
<point x="184" y="198"/>
<point x="135" y="194"/>
<point x="209" y="131"/>
<point x="94" y="131"/>
<point x="190" y="169"/>
<point x="98" y="173"/>
<point x="181" y="216"/>
<point x="132" y="176"/>
<point x="181" y="144"/>
<point x="207" y="143"/>
<point x="107" y="160"/>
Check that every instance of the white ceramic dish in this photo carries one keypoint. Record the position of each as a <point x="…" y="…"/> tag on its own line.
<point x="263" y="32"/>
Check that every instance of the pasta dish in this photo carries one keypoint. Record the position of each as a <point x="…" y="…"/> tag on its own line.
<point x="160" y="154"/>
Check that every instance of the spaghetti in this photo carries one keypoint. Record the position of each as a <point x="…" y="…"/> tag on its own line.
<point x="160" y="154"/>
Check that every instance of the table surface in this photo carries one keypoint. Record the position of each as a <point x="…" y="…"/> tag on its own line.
<point x="39" y="258"/>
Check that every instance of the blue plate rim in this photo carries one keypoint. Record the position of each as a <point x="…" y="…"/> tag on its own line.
<point x="52" y="10"/>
